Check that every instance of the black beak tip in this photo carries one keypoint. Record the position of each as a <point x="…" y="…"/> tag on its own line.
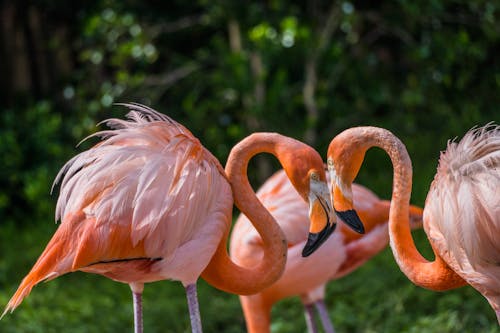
<point x="351" y="218"/>
<point x="314" y="240"/>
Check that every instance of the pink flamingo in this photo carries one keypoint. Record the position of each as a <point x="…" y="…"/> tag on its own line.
<point x="341" y="254"/>
<point x="461" y="214"/>
<point x="150" y="203"/>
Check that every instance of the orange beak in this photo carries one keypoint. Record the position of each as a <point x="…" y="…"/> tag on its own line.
<point x="343" y="207"/>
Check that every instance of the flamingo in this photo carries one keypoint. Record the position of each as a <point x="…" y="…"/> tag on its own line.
<point x="461" y="212"/>
<point x="150" y="203"/>
<point x="341" y="254"/>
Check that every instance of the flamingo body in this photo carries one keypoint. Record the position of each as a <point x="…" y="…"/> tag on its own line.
<point x="462" y="211"/>
<point x="461" y="214"/>
<point x="137" y="207"/>
<point x="342" y="253"/>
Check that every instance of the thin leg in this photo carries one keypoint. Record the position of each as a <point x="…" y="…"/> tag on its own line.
<point x="137" y="289"/>
<point x="194" y="308"/>
<point x="323" y="315"/>
<point x="309" y="314"/>
<point x="137" y="312"/>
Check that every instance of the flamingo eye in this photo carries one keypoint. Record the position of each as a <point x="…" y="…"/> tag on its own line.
<point x="314" y="176"/>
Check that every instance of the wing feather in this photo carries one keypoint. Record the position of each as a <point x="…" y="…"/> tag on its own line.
<point x="135" y="186"/>
<point x="462" y="211"/>
<point x="144" y="192"/>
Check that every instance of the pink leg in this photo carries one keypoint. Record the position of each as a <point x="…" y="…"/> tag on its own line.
<point x="194" y="308"/>
<point x="323" y="315"/>
<point x="309" y="314"/>
<point x="137" y="312"/>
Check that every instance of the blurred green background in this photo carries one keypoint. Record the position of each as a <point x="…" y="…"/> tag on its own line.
<point x="427" y="70"/>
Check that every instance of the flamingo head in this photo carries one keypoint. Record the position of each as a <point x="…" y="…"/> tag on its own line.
<point x="345" y="157"/>
<point x="305" y="169"/>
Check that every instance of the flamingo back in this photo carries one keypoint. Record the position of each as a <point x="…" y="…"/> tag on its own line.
<point x="149" y="177"/>
<point x="462" y="211"/>
<point x="291" y="213"/>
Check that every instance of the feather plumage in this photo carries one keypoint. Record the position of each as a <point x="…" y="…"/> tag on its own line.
<point x="466" y="192"/>
<point x="126" y="198"/>
<point x="462" y="211"/>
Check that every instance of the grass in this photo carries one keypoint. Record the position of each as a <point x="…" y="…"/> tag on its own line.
<point x="375" y="298"/>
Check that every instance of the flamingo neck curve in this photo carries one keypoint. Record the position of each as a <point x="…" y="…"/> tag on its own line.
<point x="222" y="272"/>
<point x="434" y="275"/>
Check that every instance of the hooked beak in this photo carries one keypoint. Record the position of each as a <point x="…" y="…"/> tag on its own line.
<point x="343" y="206"/>
<point x="351" y="218"/>
<point x="323" y="221"/>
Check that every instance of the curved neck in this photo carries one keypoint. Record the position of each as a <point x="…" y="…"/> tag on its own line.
<point x="222" y="272"/>
<point x="435" y="275"/>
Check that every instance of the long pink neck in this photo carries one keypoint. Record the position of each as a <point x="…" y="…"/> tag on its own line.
<point x="435" y="275"/>
<point x="222" y="272"/>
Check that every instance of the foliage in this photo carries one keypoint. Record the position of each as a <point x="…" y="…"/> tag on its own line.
<point x="30" y="145"/>
<point x="428" y="71"/>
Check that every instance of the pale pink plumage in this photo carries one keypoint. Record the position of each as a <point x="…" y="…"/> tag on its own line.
<point x="141" y="177"/>
<point x="462" y="211"/>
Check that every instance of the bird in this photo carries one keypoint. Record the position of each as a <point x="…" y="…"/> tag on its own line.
<point x="149" y="202"/>
<point x="341" y="254"/>
<point x="461" y="215"/>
